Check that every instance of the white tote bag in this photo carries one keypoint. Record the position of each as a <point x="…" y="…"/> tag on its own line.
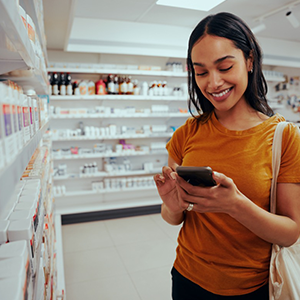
<point x="284" y="280"/>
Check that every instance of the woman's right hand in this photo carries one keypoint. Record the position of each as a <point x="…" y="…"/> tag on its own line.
<point x="166" y="186"/>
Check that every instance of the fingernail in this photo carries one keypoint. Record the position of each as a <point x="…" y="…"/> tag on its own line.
<point x="173" y="175"/>
<point x="216" y="174"/>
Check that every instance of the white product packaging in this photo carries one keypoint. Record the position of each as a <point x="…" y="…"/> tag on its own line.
<point x="19" y="249"/>
<point x="26" y="118"/>
<point x="23" y="17"/>
<point x="15" y="268"/>
<point x="12" y="289"/>
<point x="33" y="102"/>
<point x="15" y="119"/>
<point x="8" y="135"/>
<point x="22" y="230"/>
<point x="31" y="32"/>
<point x="3" y="231"/>
<point x="2" y="154"/>
<point x="31" y="122"/>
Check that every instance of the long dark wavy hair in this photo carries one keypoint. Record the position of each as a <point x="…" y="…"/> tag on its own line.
<point x="231" y="27"/>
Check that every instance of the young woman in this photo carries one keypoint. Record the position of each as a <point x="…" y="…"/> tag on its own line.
<point x="227" y="230"/>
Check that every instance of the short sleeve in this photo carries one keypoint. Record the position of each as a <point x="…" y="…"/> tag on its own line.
<point x="176" y="144"/>
<point x="290" y="157"/>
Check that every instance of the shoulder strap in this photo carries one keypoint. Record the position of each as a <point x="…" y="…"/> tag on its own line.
<point x="276" y="159"/>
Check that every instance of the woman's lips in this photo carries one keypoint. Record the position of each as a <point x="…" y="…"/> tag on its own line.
<point x="222" y="95"/>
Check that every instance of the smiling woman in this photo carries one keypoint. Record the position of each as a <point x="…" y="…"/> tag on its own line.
<point x="225" y="241"/>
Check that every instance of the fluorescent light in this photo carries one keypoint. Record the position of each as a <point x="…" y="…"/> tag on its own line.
<point x="259" y="28"/>
<point x="204" y="5"/>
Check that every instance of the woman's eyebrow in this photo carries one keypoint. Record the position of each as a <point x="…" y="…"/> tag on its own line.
<point x="215" y="62"/>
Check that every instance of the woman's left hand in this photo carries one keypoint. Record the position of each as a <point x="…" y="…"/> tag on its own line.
<point x="219" y="198"/>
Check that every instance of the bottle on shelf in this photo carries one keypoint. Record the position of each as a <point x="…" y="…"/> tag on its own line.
<point x="76" y="91"/>
<point x="69" y="87"/>
<point x="122" y="85"/>
<point x="116" y="84"/>
<point x="136" y="89"/>
<point x="55" y="81"/>
<point x="100" y="87"/>
<point x="129" y="86"/>
<point x="62" y="84"/>
<point x="110" y="85"/>
<point x="50" y="77"/>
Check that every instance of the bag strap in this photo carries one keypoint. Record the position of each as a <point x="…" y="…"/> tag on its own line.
<point x="276" y="159"/>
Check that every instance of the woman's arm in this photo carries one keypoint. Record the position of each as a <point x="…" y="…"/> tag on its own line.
<point x="171" y="210"/>
<point x="282" y="229"/>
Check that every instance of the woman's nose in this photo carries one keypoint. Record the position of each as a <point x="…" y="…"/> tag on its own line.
<point x="215" y="80"/>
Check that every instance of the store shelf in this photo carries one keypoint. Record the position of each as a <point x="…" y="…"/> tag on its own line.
<point x="107" y="191"/>
<point x="11" y="26"/>
<point x="111" y="116"/>
<point x="35" y="78"/>
<point x="116" y="137"/>
<point x="16" y="51"/>
<point x="31" y="9"/>
<point x="85" y="206"/>
<point x="109" y="154"/>
<point x="106" y="174"/>
<point x="118" y="98"/>
<point x="119" y="72"/>
<point x="11" y="174"/>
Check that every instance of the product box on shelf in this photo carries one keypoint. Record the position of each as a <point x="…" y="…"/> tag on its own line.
<point x="19" y="249"/>
<point x="9" y="137"/>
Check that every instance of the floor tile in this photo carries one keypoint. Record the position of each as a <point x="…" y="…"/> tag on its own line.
<point x="153" y="284"/>
<point x="171" y="230"/>
<point x="110" y="288"/>
<point x="129" y="230"/>
<point x="148" y="254"/>
<point x="85" y="236"/>
<point x="92" y="264"/>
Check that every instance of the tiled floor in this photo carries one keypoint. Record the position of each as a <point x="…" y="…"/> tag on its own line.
<point x="120" y="259"/>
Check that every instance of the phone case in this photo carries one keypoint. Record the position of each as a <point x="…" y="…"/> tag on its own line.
<point x="198" y="176"/>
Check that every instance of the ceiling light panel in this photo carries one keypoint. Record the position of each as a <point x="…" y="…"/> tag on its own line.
<point x="203" y="5"/>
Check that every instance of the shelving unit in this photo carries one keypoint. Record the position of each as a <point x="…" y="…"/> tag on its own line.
<point x="18" y="57"/>
<point x="11" y="175"/>
<point x="78" y="185"/>
<point x="16" y="51"/>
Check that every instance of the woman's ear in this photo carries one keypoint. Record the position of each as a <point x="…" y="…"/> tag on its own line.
<point x="250" y="62"/>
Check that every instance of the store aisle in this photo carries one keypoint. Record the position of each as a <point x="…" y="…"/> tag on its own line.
<point x="120" y="259"/>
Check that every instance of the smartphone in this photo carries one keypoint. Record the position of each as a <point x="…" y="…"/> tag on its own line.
<point x="198" y="176"/>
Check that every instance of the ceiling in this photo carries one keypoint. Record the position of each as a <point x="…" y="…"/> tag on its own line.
<point x="142" y="27"/>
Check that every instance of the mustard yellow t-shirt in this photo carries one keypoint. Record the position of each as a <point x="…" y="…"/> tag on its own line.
<point x="214" y="250"/>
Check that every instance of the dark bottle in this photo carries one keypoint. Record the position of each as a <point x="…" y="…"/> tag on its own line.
<point x="62" y="84"/>
<point x="76" y="88"/>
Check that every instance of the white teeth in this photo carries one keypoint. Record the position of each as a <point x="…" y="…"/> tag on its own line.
<point x="221" y="94"/>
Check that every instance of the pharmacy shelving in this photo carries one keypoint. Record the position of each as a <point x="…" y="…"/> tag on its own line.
<point x="16" y="50"/>
<point x="111" y="116"/>
<point x="105" y="174"/>
<point x="115" y="137"/>
<point x="145" y="113"/>
<point x="110" y="191"/>
<point x="118" y="98"/>
<point x="12" y="173"/>
<point x="109" y="154"/>
<point x="119" y="72"/>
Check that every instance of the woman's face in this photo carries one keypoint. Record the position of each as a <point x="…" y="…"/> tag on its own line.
<point x="221" y="71"/>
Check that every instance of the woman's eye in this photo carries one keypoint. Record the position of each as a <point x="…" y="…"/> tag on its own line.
<point x="226" y="69"/>
<point x="201" y="74"/>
